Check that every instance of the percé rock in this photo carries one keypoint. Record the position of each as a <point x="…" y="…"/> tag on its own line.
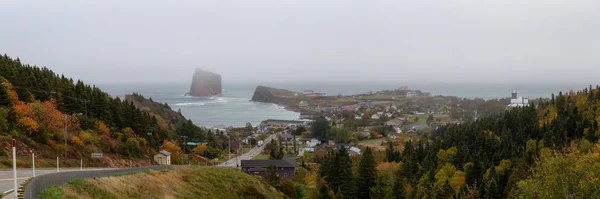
<point x="205" y="84"/>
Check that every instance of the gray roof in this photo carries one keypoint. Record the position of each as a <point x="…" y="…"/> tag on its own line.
<point x="416" y="126"/>
<point x="165" y="152"/>
<point x="285" y="162"/>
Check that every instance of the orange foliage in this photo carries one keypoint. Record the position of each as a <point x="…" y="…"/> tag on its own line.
<point x="52" y="144"/>
<point x="28" y="124"/>
<point x="102" y="128"/>
<point x="23" y="110"/>
<point x="53" y="119"/>
<point x="387" y="167"/>
<point x="76" y="141"/>
<point x="375" y="135"/>
<point x="200" y="149"/>
<point x="173" y="148"/>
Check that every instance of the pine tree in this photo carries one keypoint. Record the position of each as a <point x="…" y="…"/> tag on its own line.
<point x="366" y="174"/>
<point x="271" y="176"/>
<point x="399" y="187"/>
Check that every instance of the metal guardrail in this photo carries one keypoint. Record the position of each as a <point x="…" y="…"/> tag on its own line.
<point x="42" y="182"/>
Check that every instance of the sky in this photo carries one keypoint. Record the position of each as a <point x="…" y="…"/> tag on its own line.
<point x="441" y="41"/>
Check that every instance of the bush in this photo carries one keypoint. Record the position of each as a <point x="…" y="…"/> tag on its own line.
<point x="51" y="193"/>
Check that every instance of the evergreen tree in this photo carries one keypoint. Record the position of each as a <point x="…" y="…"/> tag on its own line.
<point x="341" y="174"/>
<point x="271" y="176"/>
<point x="366" y="174"/>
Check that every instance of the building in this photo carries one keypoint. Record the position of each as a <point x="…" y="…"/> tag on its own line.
<point x="163" y="158"/>
<point x="396" y="122"/>
<point x="303" y="103"/>
<point x="286" y="168"/>
<point x="517" y="101"/>
<point x="375" y="116"/>
<point x="281" y="123"/>
<point x="308" y="92"/>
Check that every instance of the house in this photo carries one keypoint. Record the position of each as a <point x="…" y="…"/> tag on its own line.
<point x="281" y="123"/>
<point x="354" y="151"/>
<point x="415" y="127"/>
<point x="379" y="112"/>
<point x="411" y="94"/>
<point x="306" y="116"/>
<point x="286" y="137"/>
<point x="308" y="92"/>
<point x="312" y="143"/>
<point x="163" y="158"/>
<point x="389" y="115"/>
<point x="393" y="135"/>
<point x="375" y="116"/>
<point x="396" y="122"/>
<point x="286" y="168"/>
<point x="303" y="103"/>
<point x="312" y="106"/>
<point x="357" y="117"/>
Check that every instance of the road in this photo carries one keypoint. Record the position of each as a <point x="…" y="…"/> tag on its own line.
<point x="6" y="176"/>
<point x="249" y="155"/>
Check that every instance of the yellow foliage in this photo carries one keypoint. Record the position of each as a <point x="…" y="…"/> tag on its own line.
<point x="76" y="141"/>
<point x="457" y="180"/>
<point x="311" y="177"/>
<point x="28" y="124"/>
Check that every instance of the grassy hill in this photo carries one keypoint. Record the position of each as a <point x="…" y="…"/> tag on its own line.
<point x="188" y="182"/>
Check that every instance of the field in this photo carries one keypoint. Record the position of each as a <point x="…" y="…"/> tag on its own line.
<point x="187" y="182"/>
<point x="261" y="156"/>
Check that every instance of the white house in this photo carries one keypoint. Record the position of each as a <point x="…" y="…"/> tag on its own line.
<point x="375" y="116"/>
<point x="163" y="158"/>
<point x="313" y="142"/>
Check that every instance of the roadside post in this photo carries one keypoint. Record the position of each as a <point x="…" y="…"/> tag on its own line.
<point x="33" y="161"/>
<point x="14" y="154"/>
<point x="57" y="167"/>
<point x="81" y="165"/>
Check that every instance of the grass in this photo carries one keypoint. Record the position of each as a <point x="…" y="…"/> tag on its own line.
<point x="371" y="141"/>
<point x="261" y="156"/>
<point x="53" y="192"/>
<point x="186" y="182"/>
<point x="246" y="149"/>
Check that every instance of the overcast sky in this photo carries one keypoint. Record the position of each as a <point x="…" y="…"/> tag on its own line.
<point x="308" y="40"/>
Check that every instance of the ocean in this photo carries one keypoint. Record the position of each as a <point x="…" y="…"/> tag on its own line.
<point x="234" y="108"/>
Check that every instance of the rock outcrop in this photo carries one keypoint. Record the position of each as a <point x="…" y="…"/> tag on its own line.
<point x="205" y="84"/>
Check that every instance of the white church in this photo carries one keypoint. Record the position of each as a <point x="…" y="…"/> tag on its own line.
<point x="518" y="101"/>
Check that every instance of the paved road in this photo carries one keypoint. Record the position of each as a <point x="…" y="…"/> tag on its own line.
<point x="249" y="155"/>
<point x="6" y="176"/>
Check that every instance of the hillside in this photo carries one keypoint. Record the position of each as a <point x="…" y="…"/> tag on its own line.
<point x="187" y="182"/>
<point x="57" y="116"/>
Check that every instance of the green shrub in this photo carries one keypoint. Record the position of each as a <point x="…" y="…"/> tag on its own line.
<point x="52" y="193"/>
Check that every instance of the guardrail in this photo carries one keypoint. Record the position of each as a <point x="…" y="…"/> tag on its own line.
<point x="42" y="182"/>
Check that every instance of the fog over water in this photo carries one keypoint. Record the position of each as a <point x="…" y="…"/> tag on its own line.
<point x="393" y="41"/>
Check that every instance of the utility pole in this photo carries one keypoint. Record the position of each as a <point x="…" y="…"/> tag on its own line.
<point x="65" y="150"/>
<point x="184" y="145"/>
<point x="33" y="161"/>
<point x="14" y="154"/>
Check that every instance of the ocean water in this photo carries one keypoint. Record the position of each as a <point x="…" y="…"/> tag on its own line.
<point x="234" y="108"/>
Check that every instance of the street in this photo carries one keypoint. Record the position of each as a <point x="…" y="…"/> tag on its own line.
<point x="249" y="155"/>
<point x="6" y="176"/>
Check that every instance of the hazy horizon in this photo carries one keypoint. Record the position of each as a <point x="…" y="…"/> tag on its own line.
<point x="403" y="42"/>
